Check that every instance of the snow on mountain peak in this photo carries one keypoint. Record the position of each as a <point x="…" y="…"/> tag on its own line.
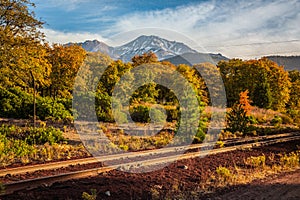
<point x="161" y="47"/>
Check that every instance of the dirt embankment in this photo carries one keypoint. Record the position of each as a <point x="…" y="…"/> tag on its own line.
<point x="175" y="181"/>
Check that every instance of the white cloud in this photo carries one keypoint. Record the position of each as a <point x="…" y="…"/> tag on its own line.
<point x="224" y="26"/>
<point x="62" y="37"/>
<point x="244" y="29"/>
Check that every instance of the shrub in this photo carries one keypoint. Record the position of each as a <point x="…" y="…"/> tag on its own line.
<point x="172" y="112"/>
<point x="140" y="113"/>
<point x="276" y="121"/>
<point x="43" y="135"/>
<point x="224" y="174"/>
<point x="252" y="120"/>
<point x="121" y="117"/>
<point x="291" y="160"/>
<point x="15" y="103"/>
<point x="258" y="161"/>
<point x="200" y="135"/>
<point x="13" y="149"/>
<point x="92" y="196"/>
<point x="102" y="106"/>
<point x="50" y="108"/>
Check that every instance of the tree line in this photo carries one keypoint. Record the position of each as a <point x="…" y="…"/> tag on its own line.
<point x="29" y="63"/>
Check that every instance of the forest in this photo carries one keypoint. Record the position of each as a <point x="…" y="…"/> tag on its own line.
<point x="37" y="78"/>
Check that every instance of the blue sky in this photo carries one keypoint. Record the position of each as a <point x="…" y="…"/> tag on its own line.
<point x="240" y="28"/>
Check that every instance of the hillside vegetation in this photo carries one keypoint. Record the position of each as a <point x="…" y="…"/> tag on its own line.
<point x="32" y="72"/>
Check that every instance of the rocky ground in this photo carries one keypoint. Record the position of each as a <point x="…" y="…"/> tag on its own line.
<point x="181" y="179"/>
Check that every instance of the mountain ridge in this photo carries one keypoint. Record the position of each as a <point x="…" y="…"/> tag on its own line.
<point x="163" y="48"/>
<point x="172" y="51"/>
<point x="289" y="62"/>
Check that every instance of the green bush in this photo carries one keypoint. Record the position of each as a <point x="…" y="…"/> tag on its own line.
<point x="276" y="121"/>
<point x="237" y="120"/>
<point x="140" y="113"/>
<point x="13" y="149"/>
<point x="48" y="108"/>
<point x="102" y="107"/>
<point x="200" y="135"/>
<point x="32" y="135"/>
<point x="43" y="135"/>
<point x="252" y="120"/>
<point x="15" y="103"/>
<point x="121" y="117"/>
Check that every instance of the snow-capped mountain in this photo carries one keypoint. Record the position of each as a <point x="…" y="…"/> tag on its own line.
<point x="172" y="51"/>
<point x="161" y="47"/>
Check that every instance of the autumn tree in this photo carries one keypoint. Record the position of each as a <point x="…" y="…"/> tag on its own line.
<point x="232" y="77"/>
<point x="293" y="105"/>
<point x="195" y="79"/>
<point x="260" y="77"/>
<point x="149" y="57"/>
<point x="65" y="62"/>
<point x="20" y="40"/>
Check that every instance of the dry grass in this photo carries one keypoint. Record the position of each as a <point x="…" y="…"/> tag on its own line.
<point x="255" y="168"/>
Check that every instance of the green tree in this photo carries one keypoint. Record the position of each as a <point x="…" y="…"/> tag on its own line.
<point x="238" y="117"/>
<point x="262" y="92"/>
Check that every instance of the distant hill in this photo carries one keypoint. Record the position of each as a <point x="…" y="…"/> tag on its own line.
<point x="289" y="62"/>
<point x="196" y="58"/>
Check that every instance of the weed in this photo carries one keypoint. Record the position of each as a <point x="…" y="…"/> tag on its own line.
<point x="290" y="161"/>
<point x="276" y="121"/>
<point x="124" y="147"/>
<point x="258" y="161"/>
<point x="220" y="144"/>
<point x="2" y="188"/>
<point x="224" y="174"/>
<point x="271" y="157"/>
<point x="224" y="135"/>
<point x="92" y="196"/>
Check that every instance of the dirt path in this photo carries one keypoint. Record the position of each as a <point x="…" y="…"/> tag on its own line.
<point x="284" y="186"/>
